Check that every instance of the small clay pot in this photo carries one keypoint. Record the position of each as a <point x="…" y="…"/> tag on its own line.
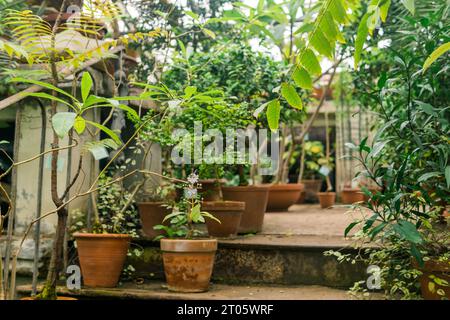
<point x="283" y="195"/>
<point x="188" y="264"/>
<point x="438" y="269"/>
<point x="310" y="189"/>
<point x="229" y="214"/>
<point x="350" y="196"/>
<point x="255" y="198"/>
<point x="101" y="257"/>
<point x="152" y="214"/>
<point x="326" y="199"/>
<point x="210" y="189"/>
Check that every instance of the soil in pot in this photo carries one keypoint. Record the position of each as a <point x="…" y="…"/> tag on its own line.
<point x="310" y="190"/>
<point x="152" y="214"/>
<point x="229" y="214"/>
<point x="188" y="264"/>
<point x="283" y="195"/>
<point x="101" y="257"/>
<point x="255" y="198"/>
<point x="350" y="196"/>
<point x="428" y="287"/>
<point x="210" y="189"/>
<point x="326" y="199"/>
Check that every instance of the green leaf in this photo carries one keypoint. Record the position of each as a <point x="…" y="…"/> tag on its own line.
<point x="273" y="114"/>
<point x="384" y="8"/>
<point x="106" y="130"/>
<point x="79" y="125"/>
<point x="409" y="4"/>
<point x="86" y="85"/>
<point x="302" y="78"/>
<point x="304" y="28"/>
<point x="209" y="33"/>
<point x="428" y="175"/>
<point x="350" y="227"/>
<point x="328" y="27"/>
<point x="435" y="55"/>
<point x="321" y="44"/>
<point x="447" y="176"/>
<point x="338" y="11"/>
<point x="189" y="91"/>
<point x="131" y="112"/>
<point x="361" y="35"/>
<point x="417" y="255"/>
<point x="309" y="61"/>
<point x="407" y="231"/>
<point x="62" y="122"/>
<point x="210" y="216"/>
<point x="46" y="96"/>
<point x="290" y="94"/>
<point x="44" y="85"/>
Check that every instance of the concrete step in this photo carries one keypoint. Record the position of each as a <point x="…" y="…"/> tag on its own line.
<point x="269" y="260"/>
<point x="154" y="290"/>
<point x="289" y="251"/>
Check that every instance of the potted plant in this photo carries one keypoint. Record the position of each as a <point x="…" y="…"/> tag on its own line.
<point x="188" y="259"/>
<point x="102" y="252"/>
<point x="311" y="153"/>
<point x="153" y="207"/>
<point x="328" y="197"/>
<point x="229" y="213"/>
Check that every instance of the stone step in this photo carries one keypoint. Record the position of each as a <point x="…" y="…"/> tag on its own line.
<point x="269" y="260"/>
<point x="154" y="290"/>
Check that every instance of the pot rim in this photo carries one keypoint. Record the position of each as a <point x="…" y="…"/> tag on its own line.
<point x="326" y="193"/>
<point x="223" y="205"/>
<point x="188" y="245"/>
<point x="101" y="235"/>
<point x="286" y="186"/>
<point x="249" y="188"/>
<point x="148" y="203"/>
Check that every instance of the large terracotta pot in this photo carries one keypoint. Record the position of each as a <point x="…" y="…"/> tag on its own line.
<point x="428" y="287"/>
<point x="283" y="195"/>
<point x="101" y="257"/>
<point x="210" y="189"/>
<point x="229" y="214"/>
<point x="188" y="264"/>
<point x="326" y="199"/>
<point x="310" y="190"/>
<point x="350" y="195"/>
<point x="152" y="214"/>
<point x="255" y="198"/>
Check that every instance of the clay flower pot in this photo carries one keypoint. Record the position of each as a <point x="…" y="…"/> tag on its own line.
<point x="101" y="257"/>
<point x="229" y="214"/>
<point x="210" y="190"/>
<point x="152" y="214"/>
<point x="283" y="195"/>
<point x="326" y="199"/>
<point x="350" y="195"/>
<point x="188" y="264"/>
<point x="428" y="287"/>
<point x="310" y="190"/>
<point x="255" y="198"/>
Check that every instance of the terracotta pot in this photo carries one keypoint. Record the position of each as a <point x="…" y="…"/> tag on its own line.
<point x="310" y="190"/>
<point x="255" y="198"/>
<point x="326" y="199"/>
<point x="210" y="190"/>
<point x="350" y="196"/>
<point x="101" y="257"/>
<point x="152" y="214"/>
<point x="433" y="268"/>
<point x="228" y="212"/>
<point x="283" y="195"/>
<point x="188" y="264"/>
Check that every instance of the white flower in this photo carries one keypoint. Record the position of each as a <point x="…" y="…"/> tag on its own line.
<point x="190" y="193"/>
<point x="193" y="178"/>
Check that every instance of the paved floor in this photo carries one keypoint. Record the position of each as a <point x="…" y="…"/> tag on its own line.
<point x="304" y="225"/>
<point x="157" y="290"/>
